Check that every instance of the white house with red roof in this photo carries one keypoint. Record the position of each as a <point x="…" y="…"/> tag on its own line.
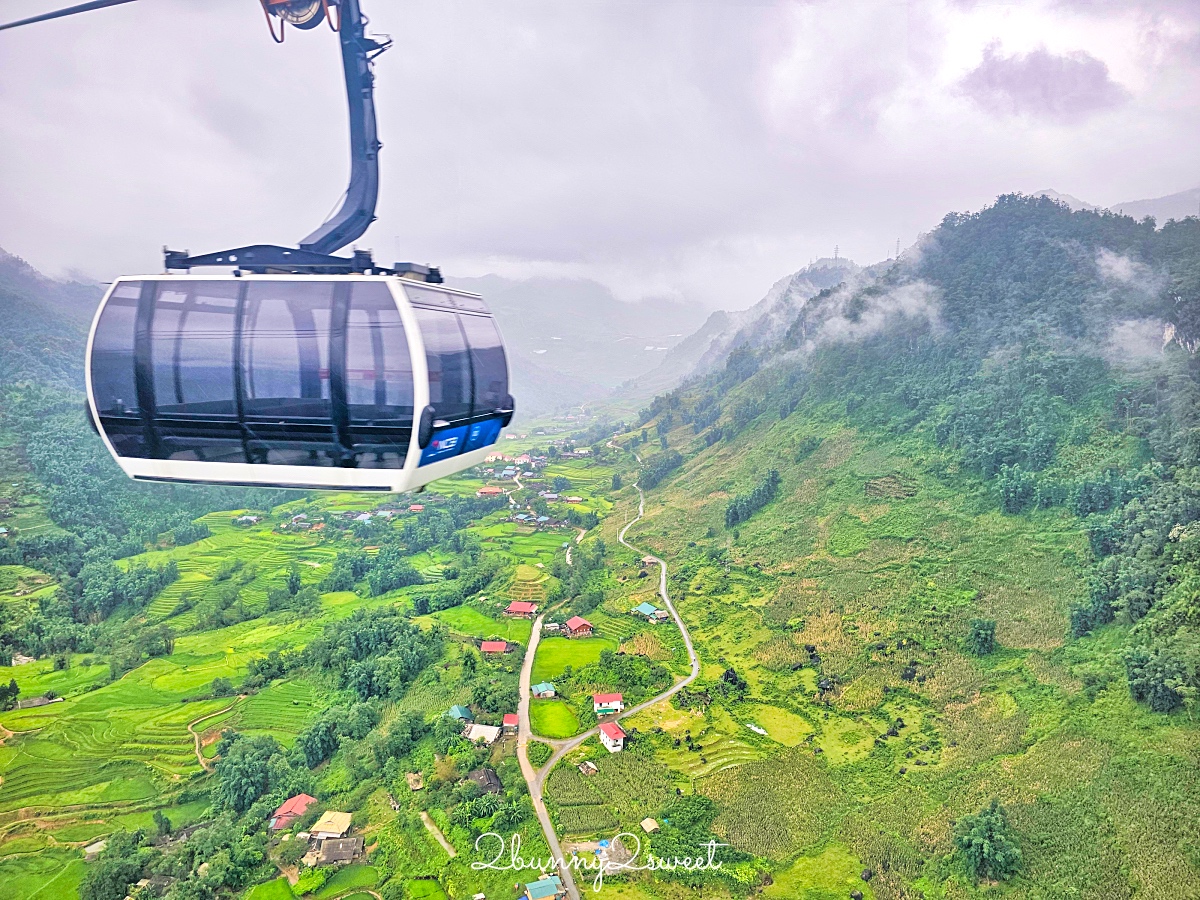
<point x="607" y="704"/>
<point x="612" y="737"/>
<point x="511" y="722"/>
<point x="578" y="626"/>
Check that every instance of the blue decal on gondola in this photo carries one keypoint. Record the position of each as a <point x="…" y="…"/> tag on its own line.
<point x="483" y="434"/>
<point x="444" y="445"/>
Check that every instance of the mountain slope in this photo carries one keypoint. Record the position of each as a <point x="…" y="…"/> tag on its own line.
<point x="964" y="444"/>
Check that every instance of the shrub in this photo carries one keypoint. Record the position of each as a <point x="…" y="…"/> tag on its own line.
<point x="987" y="845"/>
<point x="982" y="639"/>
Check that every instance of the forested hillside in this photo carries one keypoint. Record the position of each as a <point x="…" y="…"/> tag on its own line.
<point x="949" y="519"/>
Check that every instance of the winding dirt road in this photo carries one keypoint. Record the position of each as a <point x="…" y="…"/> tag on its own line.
<point x="536" y="778"/>
<point x="205" y="764"/>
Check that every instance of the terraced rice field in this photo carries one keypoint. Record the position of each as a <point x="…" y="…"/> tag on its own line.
<point x="282" y="710"/>
<point x="269" y="552"/>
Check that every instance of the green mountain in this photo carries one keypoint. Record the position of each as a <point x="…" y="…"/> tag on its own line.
<point x="943" y="530"/>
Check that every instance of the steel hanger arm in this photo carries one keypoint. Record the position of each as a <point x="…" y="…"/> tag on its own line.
<point x="357" y="211"/>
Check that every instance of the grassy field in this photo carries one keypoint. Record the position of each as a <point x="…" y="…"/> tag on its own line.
<point x="552" y="718"/>
<point x="554" y="654"/>
<point x="468" y="621"/>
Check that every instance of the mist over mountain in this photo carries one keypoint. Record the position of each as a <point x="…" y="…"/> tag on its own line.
<point x="756" y="326"/>
<point x="570" y="341"/>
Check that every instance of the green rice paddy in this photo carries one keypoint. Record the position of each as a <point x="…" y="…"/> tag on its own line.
<point x="552" y="718"/>
<point x="554" y="654"/>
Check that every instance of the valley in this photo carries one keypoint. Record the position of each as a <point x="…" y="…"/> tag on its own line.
<point x="898" y="558"/>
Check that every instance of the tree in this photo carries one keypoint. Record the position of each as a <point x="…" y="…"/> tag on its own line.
<point x="293" y="579"/>
<point x="1156" y="677"/>
<point x="161" y="823"/>
<point x="222" y="687"/>
<point x="616" y="481"/>
<point x="9" y="694"/>
<point x="982" y="639"/>
<point x="560" y="484"/>
<point x="987" y="845"/>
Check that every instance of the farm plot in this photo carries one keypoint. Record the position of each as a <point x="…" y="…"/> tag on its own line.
<point x="554" y="654"/>
<point x="627" y="788"/>
<point x="552" y="718"/>
<point x="467" y="620"/>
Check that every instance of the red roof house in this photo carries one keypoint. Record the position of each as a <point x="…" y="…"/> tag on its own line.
<point x="521" y="608"/>
<point x="578" y="626"/>
<point x="488" y="490"/>
<point x="612" y="737"/>
<point x="291" y="809"/>
<point x="511" y="723"/>
<point x="494" y="646"/>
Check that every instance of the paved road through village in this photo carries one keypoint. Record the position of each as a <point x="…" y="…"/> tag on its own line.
<point x="536" y="778"/>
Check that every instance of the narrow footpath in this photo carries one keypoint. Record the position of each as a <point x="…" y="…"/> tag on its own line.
<point x="536" y="778"/>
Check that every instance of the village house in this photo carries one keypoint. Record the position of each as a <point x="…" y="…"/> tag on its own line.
<point x="578" y="626"/>
<point x="650" y="826"/>
<point x="461" y="713"/>
<point x="331" y="825"/>
<point x="416" y="507"/>
<point x="511" y="723"/>
<point x="648" y="561"/>
<point x="612" y="737"/>
<point x="494" y="646"/>
<point x="337" y="851"/>
<point x="549" y="888"/>
<point x="587" y="767"/>
<point x="551" y="626"/>
<point x="607" y="704"/>
<point x="574" y="499"/>
<point x="488" y="491"/>
<point x="653" y="614"/>
<point x="487" y="779"/>
<point x="290" y="810"/>
<point x="522" y="608"/>
<point x="542" y="690"/>
<point x="481" y="734"/>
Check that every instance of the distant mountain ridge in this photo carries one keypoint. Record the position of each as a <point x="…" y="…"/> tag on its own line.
<point x="761" y="324"/>
<point x="1161" y="209"/>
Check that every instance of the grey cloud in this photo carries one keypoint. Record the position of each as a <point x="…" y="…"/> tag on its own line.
<point x="1043" y="85"/>
<point x="684" y="149"/>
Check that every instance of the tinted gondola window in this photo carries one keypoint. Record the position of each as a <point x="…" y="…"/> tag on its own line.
<point x="285" y="348"/>
<point x="449" y="363"/>
<point x="488" y="364"/>
<point x="113" y="382"/>
<point x="192" y="339"/>
<point x="379" y="379"/>
<point x="191" y="348"/>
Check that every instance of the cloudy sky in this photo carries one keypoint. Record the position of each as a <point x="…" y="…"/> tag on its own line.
<point x="699" y="149"/>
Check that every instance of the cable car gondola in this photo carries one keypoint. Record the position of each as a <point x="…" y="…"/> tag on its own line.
<point x="295" y="367"/>
<point x="362" y="382"/>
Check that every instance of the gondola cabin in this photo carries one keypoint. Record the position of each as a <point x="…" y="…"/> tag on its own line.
<point x="347" y="382"/>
